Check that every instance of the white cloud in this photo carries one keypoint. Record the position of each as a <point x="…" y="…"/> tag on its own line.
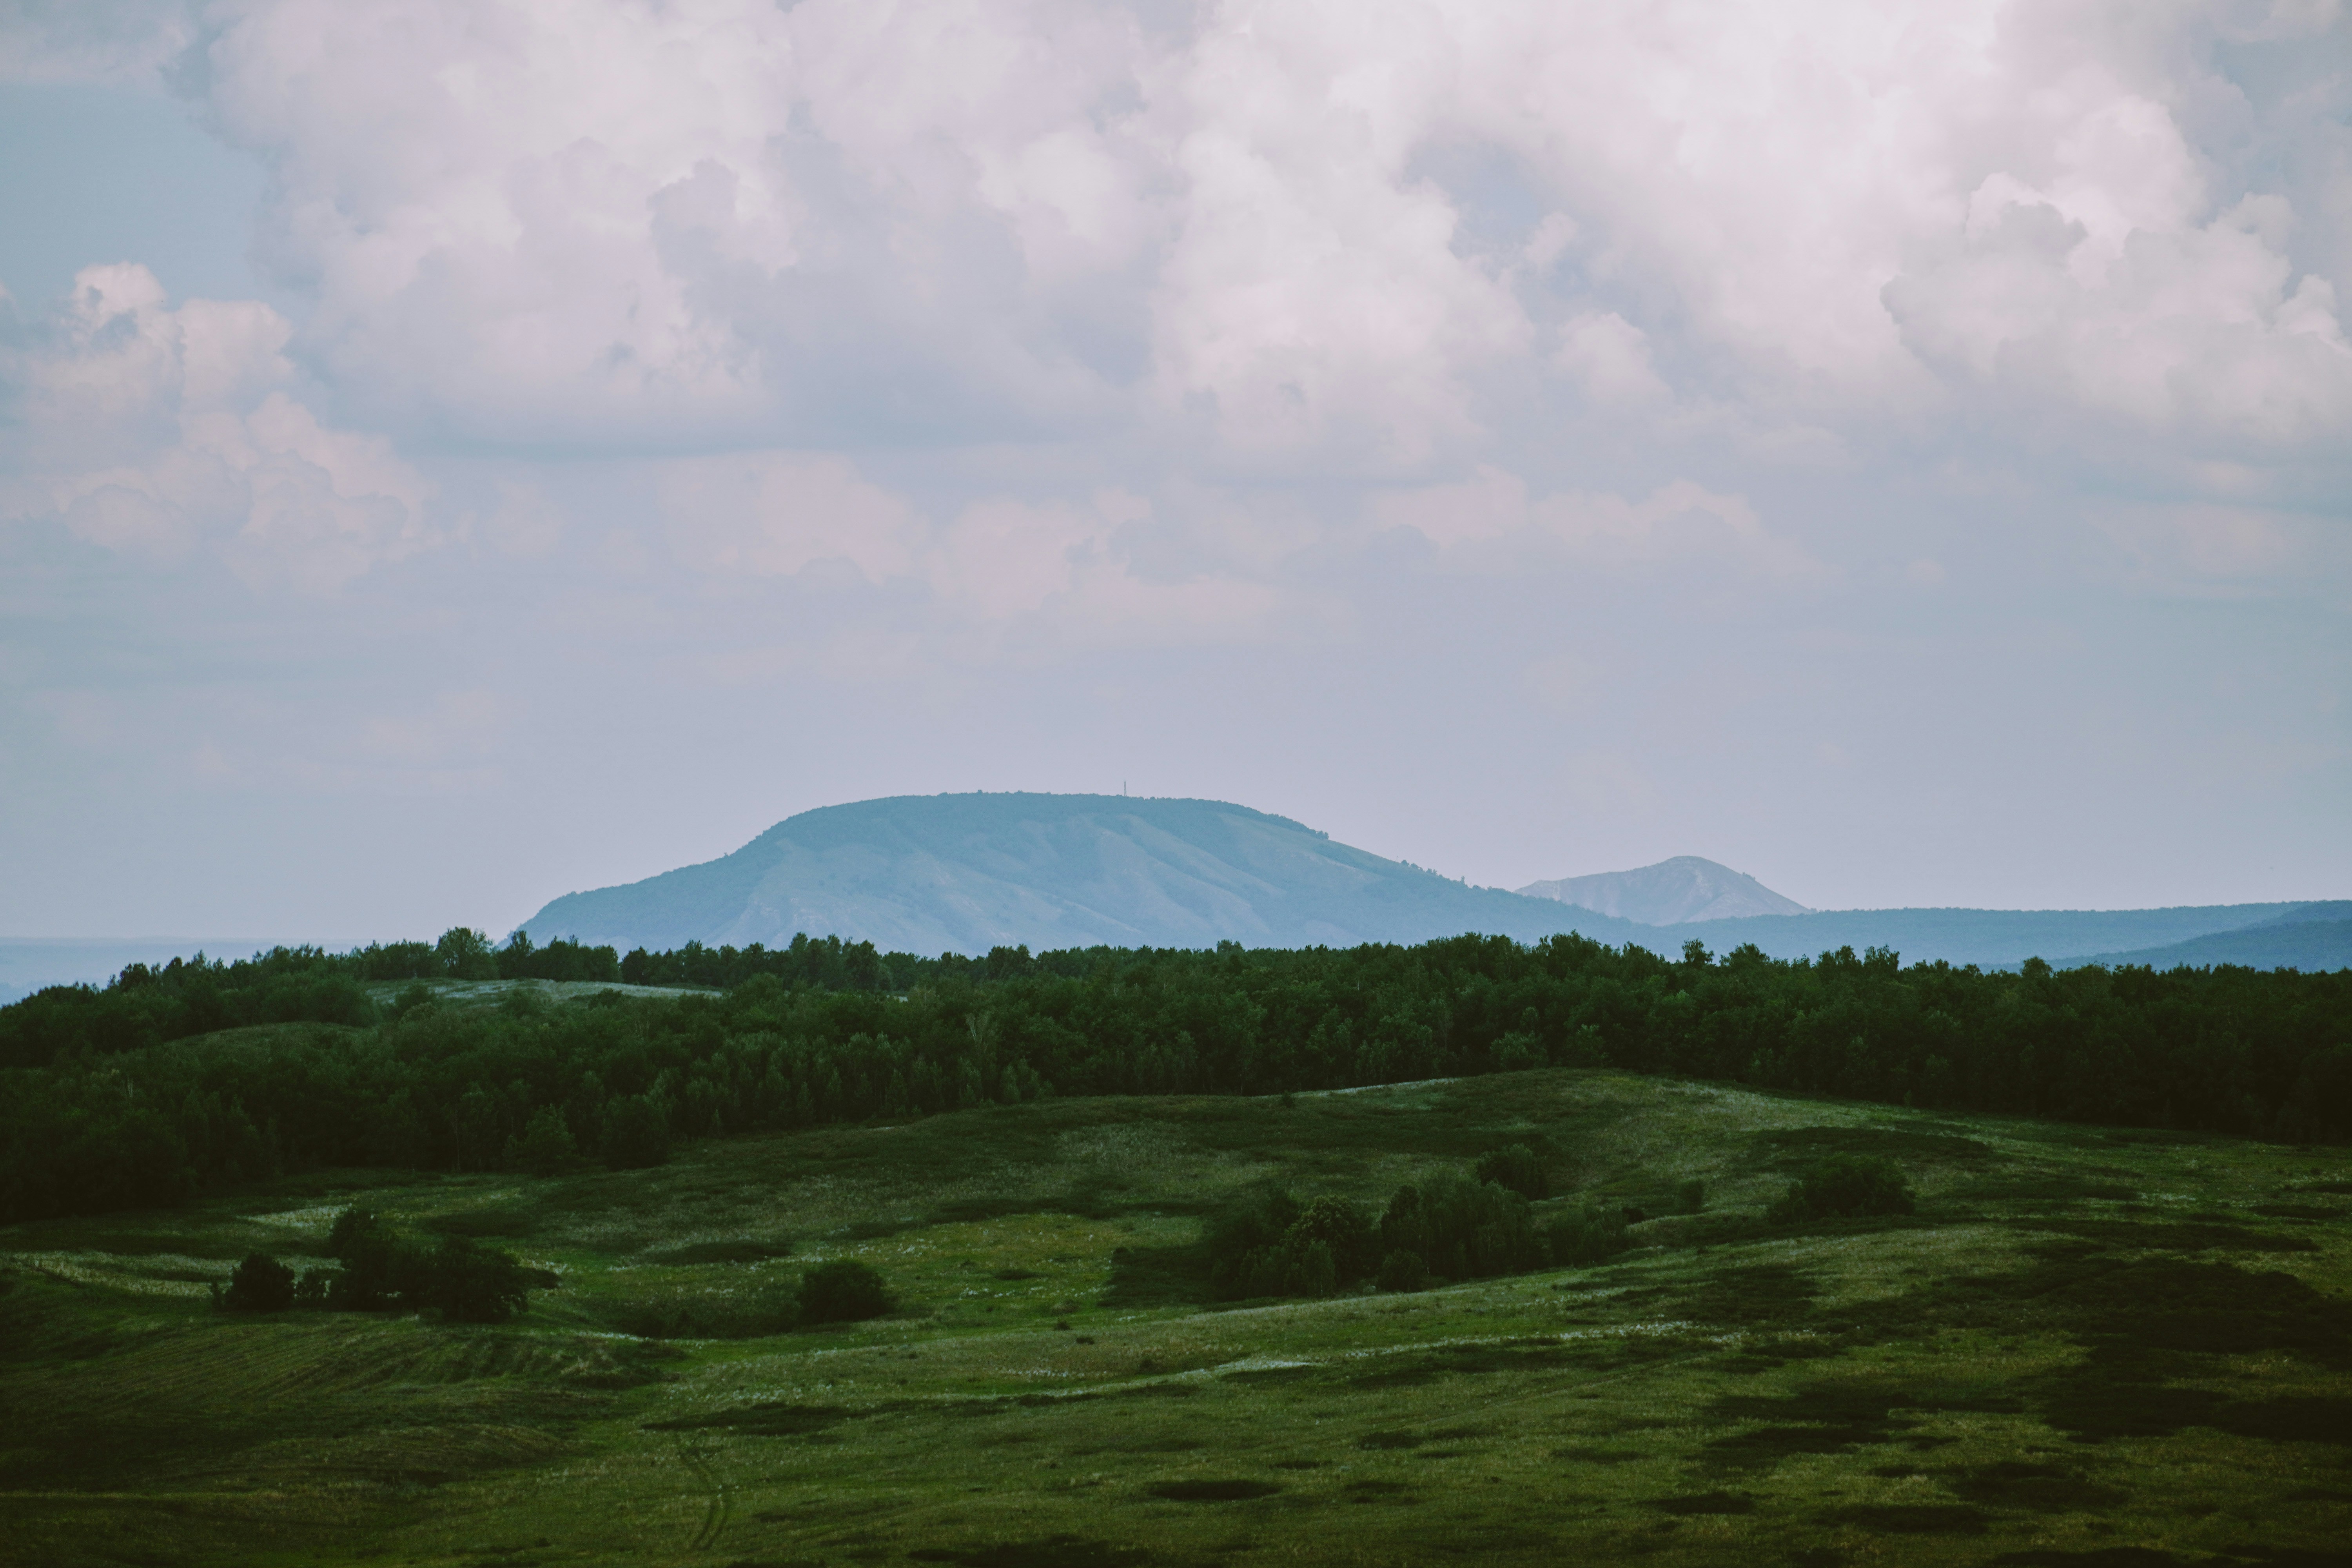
<point x="771" y="514"/>
<point x="1066" y="563"/>
<point x="155" y="430"/>
<point x="1610" y="357"/>
<point x="1682" y="521"/>
<point x="2202" y="331"/>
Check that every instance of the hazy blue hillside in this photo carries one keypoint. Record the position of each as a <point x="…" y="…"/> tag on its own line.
<point x="1672" y="892"/>
<point x="2311" y="937"/>
<point x="1986" y="937"/>
<point x="968" y="872"/>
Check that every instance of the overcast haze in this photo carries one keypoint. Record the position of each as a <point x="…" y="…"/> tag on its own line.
<point x="459" y="453"/>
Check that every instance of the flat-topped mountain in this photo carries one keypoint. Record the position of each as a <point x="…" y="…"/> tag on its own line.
<point x="968" y="872"/>
<point x="1670" y="893"/>
<point x="964" y="873"/>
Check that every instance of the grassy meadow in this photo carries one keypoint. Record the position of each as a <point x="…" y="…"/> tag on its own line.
<point x="2122" y="1349"/>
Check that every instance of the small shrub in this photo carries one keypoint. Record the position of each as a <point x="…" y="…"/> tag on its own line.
<point x="1463" y="1229"/>
<point x="1342" y="1226"/>
<point x="261" y="1284"/>
<point x="1516" y="1170"/>
<point x="312" y="1290"/>
<point x="377" y="1270"/>
<point x="1847" y="1186"/>
<point x="1590" y="1236"/>
<point x="414" y="997"/>
<point x="1401" y="1271"/>
<point x="1263" y="1244"/>
<point x="470" y="1284"/>
<point x="1517" y="1051"/>
<point x="842" y="1291"/>
<point x="635" y="1134"/>
<point x="545" y="1147"/>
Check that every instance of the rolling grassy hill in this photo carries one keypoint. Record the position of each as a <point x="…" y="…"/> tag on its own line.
<point x="2087" y="1347"/>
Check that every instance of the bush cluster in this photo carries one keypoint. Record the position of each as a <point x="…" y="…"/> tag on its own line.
<point x="1846" y="1186"/>
<point x="1265" y="1243"/>
<point x="380" y="1270"/>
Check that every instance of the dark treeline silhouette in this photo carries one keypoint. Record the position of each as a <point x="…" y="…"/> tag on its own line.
<point x="128" y="1096"/>
<point x="146" y="1005"/>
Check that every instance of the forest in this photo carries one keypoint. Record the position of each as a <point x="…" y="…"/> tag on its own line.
<point x="159" y="1087"/>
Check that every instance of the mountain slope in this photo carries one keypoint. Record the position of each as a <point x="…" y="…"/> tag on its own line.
<point x="968" y="872"/>
<point x="1670" y="893"/>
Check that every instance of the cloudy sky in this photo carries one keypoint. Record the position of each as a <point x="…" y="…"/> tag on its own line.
<point x="454" y="452"/>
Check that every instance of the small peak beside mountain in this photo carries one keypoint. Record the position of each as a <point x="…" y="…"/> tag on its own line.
<point x="1670" y="893"/>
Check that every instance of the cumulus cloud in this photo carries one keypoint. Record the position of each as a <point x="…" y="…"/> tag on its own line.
<point x="1313" y="232"/>
<point x="2202" y="331"/>
<point x="155" y="430"/>
<point x="1316" y="243"/>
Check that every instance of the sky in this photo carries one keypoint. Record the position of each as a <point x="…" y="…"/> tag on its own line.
<point x="457" y="452"/>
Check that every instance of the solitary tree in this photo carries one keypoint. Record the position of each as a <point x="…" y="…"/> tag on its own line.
<point x="843" y="1290"/>
<point x="261" y="1284"/>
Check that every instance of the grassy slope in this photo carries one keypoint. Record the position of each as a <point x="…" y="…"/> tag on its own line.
<point x="2050" y="1359"/>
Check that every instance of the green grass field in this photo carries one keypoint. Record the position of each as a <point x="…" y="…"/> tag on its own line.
<point x="2117" y="1349"/>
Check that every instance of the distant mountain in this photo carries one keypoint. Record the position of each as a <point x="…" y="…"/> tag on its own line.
<point x="968" y="872"/>
<point x="2315" y="936"/>
<point x="964" y="873"/>
<point x="1989" y="938"/>
<point x="1670" y="893"/>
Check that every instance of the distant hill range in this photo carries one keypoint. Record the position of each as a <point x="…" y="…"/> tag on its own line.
<point x="968" y="872"/>
<point x="2305" y="936"/>
<point x="1672" y="892"/>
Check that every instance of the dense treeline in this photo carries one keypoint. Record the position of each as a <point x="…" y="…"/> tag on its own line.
<point x="117" y="1097"/>
<point x="148" y="1005"/>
